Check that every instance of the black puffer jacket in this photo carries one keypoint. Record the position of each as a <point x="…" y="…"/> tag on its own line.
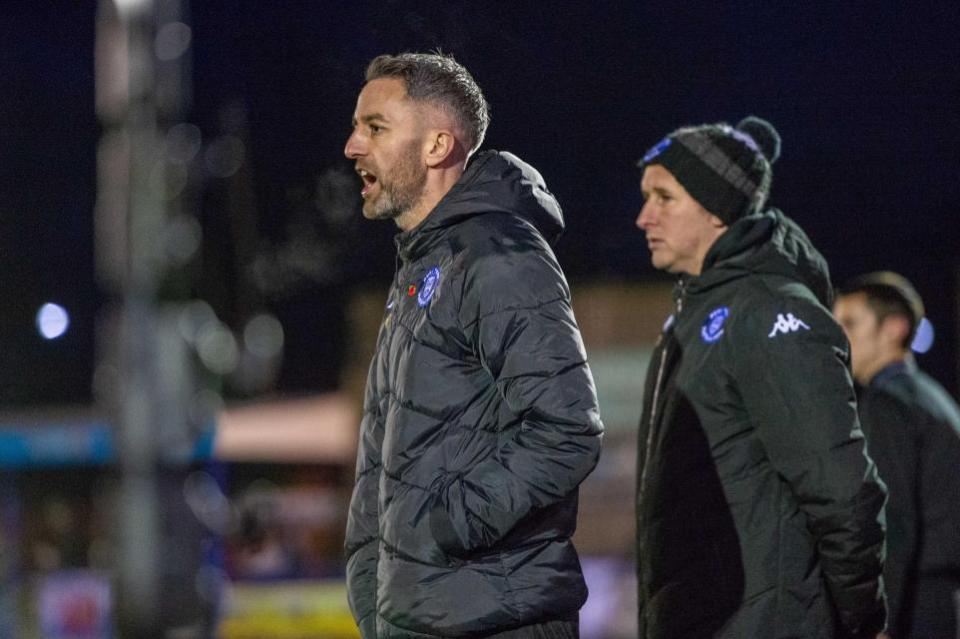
<point x="480" y="421"/>
<point x="759" y="513"/>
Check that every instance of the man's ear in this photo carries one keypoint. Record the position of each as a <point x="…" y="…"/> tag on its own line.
<point x="895" y="329"/>
<point x="438" y="147"/>
<point x="716" y="222"/>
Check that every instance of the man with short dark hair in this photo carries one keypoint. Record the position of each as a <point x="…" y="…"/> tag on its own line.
<point x="480" y="414"/>
<point x="913" y="431"/>
<point x="758" y="511"/>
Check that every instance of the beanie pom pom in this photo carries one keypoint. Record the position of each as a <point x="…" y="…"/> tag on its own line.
<point x="763" y="134"/>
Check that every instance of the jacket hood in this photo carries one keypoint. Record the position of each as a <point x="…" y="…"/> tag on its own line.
<point x="768" y="243"/>
<point x="494" y="182"/>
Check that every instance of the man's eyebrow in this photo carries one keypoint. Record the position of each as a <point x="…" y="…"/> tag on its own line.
<point x="657" y="190"/>
<point x="367" y="119"/>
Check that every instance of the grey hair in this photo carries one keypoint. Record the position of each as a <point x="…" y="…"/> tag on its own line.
<point x="439" y="79"/>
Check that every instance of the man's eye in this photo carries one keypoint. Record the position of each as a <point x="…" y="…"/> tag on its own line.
<point x="374" y="129"/>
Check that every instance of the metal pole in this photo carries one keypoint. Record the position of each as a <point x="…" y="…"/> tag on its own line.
<point x="134" y="105"/>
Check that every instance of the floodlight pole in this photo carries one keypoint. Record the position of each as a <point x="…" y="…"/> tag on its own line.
<point x="135" y="100"/>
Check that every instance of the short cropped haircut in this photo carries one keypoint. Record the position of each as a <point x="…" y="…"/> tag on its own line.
<point x="889" y="295"/>
<point x="440" y="80"/>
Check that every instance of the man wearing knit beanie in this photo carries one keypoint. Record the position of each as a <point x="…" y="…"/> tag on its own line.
<point x="759" y="513"/>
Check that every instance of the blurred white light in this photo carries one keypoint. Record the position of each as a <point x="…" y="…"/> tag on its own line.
<point x="130" y="8"/>
<point x="193" y="317"/>
<point x="224" y="156"/>
<point x="183" y="238"/>
<point x="173" y="39"/>
<point x="183" y="142"/>
<point x="923" y="340"/>
<point x="263" y="336"/>
<point x="52" y="320"/>
<point x="217" y="348"/>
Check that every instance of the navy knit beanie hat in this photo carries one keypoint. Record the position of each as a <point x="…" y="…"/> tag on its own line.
<point x="726" y="169"/>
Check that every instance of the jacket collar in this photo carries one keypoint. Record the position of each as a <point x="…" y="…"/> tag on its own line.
<point x="494" y="182"/>
<point x="906" y="366"/>
<point x="767" y="243"/>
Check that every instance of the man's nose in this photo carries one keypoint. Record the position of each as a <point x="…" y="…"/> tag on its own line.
<point x="645" y="218"/>
<point x="355" y="147"/>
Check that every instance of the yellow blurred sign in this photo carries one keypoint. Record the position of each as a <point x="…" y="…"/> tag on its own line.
<point x="287" y="610"/>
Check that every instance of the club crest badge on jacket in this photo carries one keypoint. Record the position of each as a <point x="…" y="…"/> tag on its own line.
<point x="712" y="328"/>
<point x="429" y="286"/>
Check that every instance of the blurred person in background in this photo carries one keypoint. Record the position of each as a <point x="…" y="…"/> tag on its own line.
<point x="759" y="513"/>
<point x="480" y="415"/>
<point x="913" y="432"/>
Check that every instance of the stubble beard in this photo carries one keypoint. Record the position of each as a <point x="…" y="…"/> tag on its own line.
<point x="401" y="191"/>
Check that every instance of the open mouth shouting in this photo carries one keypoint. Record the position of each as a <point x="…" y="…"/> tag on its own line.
<point x="369" y="179"/>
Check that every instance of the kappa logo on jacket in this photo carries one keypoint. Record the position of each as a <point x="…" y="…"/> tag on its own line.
<point x="788" y="324"/>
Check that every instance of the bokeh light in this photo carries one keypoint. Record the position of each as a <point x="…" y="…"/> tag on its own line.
<point x="52" y="320"/>
<point x="224" y="156"/>
<point x="923" y="340"/>
<point x="172" y="41"/>
<point x="263" y="336"/>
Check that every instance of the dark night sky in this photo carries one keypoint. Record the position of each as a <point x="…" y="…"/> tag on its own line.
<point x="865" y="99"/>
